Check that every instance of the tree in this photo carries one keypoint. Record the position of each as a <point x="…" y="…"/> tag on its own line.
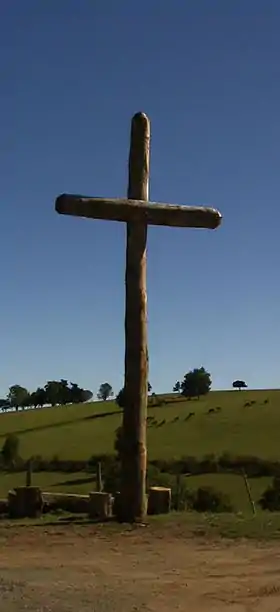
<point x="38" y="398"/>
<point x="239" y="384"/>
<point x="64" y="392"/>
<point x="57" y="392"/>
<point x="196" y="382"/>
<point x="77" y="395"/>
<point x="120" y="398"/>
<point x="119" y="442"/>
<point x="10" y="450"/>
<point x="86" y="395"/>
<point x="18" y="396"/>
<point x="177" y="387"/>
<point x="52" y="392"/>
<point x="4" y="404"/>
<point x="105" y="391"/>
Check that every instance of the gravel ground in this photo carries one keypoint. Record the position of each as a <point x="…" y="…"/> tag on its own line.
<point x="88" y="569"/>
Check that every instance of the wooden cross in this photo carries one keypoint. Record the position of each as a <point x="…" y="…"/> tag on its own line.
<point x="137" y="212"/>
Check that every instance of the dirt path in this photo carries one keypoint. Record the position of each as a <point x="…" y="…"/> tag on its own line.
<point x="83" y="569"/>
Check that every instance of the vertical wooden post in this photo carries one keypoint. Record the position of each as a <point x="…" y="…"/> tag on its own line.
<point x="246" y="482"/>
<point x="29" y="473"/>
<point x="99" y="484"/>
<point x="134" y="456"/>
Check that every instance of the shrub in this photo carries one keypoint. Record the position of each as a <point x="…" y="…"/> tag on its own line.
<point x="119" y="441"/>
<point x="270" y="499"/>
<point x="207" y="499"/>
<point x="10" y="450"/>
<point x="4" y="507"/>
<point x="112" y="477"/>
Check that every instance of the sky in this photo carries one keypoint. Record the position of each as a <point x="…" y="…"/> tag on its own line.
<point x="72" y="74"/>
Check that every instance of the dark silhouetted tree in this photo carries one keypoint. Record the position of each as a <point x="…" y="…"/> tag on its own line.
<point x="58" y="392"/>
<point x="177" y="387"/>
<point x="197" y="382"/>
<point x="38" y="398"/>
<point x="86" y="395"/>
<point x="119" y="442"/>
<point x="105" y="391"/>
<point x="4" y="404"/>
<point x="239" y="384"/>
<point x="10" y="450"/>
<point x="120" y="398"/>
<point x="18" y="396"/>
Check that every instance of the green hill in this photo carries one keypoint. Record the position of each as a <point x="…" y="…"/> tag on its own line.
<point x="79" y="431"/>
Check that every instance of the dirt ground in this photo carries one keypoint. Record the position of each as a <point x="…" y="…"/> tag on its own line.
<point x="86" y="569"/>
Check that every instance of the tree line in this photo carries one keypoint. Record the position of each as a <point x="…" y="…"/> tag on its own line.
<point x="198" y="382"/>
<point x="195" y="383"/>
<point x="54" y="392"/>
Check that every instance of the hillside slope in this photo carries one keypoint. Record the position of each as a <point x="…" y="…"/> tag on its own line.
<point x="79" y="431"/>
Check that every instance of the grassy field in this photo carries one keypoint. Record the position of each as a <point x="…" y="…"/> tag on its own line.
<point x="79" y="431"/>
<point x="82" y="483"/>
<point x="232" y="485"/>
<point x="51" y="482"/>
<point x="262" y="526"/>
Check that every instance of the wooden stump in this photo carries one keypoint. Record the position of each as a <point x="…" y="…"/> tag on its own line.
<point x="25" y="502"/>
<point x="100" y="505"/>
<point x="29" y="473"/>
<point x="116" y="504"/>
<point x="4" y="507"/>
<point x="159" y="501"/>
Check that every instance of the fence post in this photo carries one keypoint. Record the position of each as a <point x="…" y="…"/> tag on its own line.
<point x="177" y="495"/>
<point x="29" y="473"/>
<point x="99" y="484"/>
<point x="251" y="501"/>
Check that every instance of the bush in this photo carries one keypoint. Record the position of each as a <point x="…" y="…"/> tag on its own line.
<point x="120" y="398"/>
<point x="207" y="499"/>
<point x="10" y="450"/>
<point x="112" y="477"/>
<point x="270" y="499"/>
<point x="4" y="507"/>
<point x="119" y="441"/>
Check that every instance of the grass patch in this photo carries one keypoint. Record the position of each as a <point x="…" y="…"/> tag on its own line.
<point x="52" y="482"/>
<point x="264" y="526"/>
<point x="82" y="483"/>
<point x="232" y="485"/>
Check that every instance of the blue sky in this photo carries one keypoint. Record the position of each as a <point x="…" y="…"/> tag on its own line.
<point x="72" y="75"/>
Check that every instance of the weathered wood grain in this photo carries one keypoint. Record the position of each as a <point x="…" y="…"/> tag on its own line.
<point x="134" y="457"/>
<point x="137" y="212"/>
<point x="119" y="209"/>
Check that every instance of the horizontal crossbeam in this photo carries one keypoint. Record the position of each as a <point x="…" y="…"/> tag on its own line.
<point x="138" y="211"/>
